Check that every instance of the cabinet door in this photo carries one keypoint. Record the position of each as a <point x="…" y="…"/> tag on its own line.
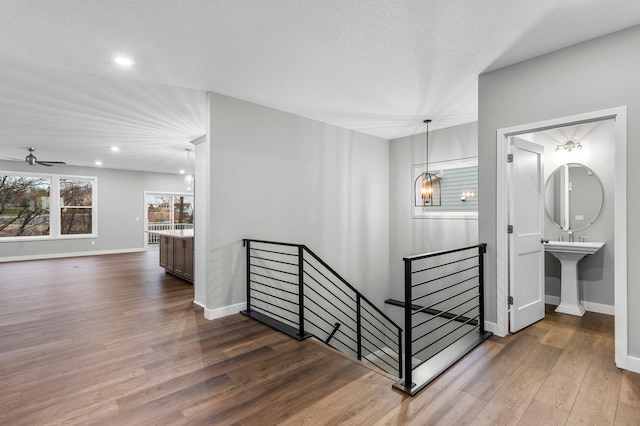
<point x="163" y="251"/>
<point x="188" y="259"/>
<point x="178" y="256"/>
<point x="166" y="253"/>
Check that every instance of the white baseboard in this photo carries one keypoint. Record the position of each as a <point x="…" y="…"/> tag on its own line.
<point x="551" y="300"/>
<point x="491" y="326"/>
<point x="71" y="254"/>
<point x="224" y="311"/>
<point x="633" y="364"/>
<point x="599" y="308"/>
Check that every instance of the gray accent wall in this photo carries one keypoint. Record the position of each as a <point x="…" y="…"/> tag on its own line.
<point x="591" y="76"/>
<point x="120" y="201"/>
<point x="283" y="177"/>
<point x="409" y="235"/>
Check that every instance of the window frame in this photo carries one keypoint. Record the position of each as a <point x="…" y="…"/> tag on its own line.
<point x="55" y="206"/>
<point x="438" y="212"/>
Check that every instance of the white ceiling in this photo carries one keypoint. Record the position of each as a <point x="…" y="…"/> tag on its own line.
<point x="375" y="66"/>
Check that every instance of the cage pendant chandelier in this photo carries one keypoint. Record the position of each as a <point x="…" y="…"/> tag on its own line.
<point x="188" y="179"/>
<point x="427" y="185"/>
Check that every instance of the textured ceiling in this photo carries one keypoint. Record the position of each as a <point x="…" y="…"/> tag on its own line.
<point x="378" y="67"/>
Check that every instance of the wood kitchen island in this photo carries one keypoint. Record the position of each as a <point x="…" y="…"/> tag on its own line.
<point x="176" y="252"/>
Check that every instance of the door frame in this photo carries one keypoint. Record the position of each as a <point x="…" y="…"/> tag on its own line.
<point x="620" y="218"/>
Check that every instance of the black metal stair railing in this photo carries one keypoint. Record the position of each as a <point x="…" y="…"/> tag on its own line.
<point x="291" y="289"/>
<point x="444" y="318"/>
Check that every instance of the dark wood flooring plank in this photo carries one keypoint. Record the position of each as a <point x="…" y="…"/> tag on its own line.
<point x="561" y="386"/>
<point x="540" y="413"/>
<point x="630" y="389"/>
<point x="513" y="398"/>
<point x="627" y="415"/>
<point x="115" y="340"/>
<point x="597" y="398"/>
<point x="423" y="407"/>
<point x="487" y="382"/>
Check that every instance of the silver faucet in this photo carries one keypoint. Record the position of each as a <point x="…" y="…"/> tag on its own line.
<point x="570" y="232"/>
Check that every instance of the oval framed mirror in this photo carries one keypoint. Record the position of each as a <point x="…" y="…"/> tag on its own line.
<point x="573" y="197"/>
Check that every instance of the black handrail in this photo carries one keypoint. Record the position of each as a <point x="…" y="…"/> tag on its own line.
<point x="367" y="332"/>
<point x="441" y="252"/>
<point x="275" y="243"/>
<point x="447" y="331"/>
<point x="323" y="263"/>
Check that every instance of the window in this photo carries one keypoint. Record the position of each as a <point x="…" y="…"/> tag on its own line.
<point x="458" y="181"/>
<point x="29" y="211"/>
<point x="24" y="206"/>
<point x="76" y="200"/>
<point x="167" y="211"/>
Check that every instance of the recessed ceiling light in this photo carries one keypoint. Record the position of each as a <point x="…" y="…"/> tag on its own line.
<point x="98" y="163"/>
<point x="124" y="61"/>
<point x="181" y="172"/>
<point x="115" y="148"/>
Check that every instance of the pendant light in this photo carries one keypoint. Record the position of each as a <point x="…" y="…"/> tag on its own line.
<point x="428" y="184"/>
<point x="188" y="179"/>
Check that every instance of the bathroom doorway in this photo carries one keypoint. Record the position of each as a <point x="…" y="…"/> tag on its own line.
<point x="618" y="116"/>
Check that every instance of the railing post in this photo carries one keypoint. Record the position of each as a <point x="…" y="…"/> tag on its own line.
<point x="481" y="252"/>
<point x="399" y="353"/>
<point x="408" y="384"/>
<point x="247" y="244"/>
<point x="359" y="327"/>
<point x="301" y="291"/>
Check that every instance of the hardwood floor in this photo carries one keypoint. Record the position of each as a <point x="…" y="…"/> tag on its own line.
<point x="114" y="340"/>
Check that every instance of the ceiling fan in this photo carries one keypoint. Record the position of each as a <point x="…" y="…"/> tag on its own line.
<point x="33" y="161"/>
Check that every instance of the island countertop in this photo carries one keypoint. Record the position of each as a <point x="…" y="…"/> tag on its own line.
<point x="175" y="233"/>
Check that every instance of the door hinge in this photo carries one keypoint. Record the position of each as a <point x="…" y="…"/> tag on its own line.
<point x="510" y="300"/>
<point x="509" y="158"/>
<point x="509" y="229"/>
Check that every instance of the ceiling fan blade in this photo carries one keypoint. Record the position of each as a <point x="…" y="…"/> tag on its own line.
<point x="50" y="163"/>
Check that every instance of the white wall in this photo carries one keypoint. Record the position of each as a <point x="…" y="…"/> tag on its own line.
<point x="411" y="236"/>
<point x="120" y="201"/>
<point x="592" y="76"/>
<point x="595" y="277"/>
<point x="278" y="176"/>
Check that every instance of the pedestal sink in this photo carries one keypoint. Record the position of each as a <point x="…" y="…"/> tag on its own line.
<point x="569" y="254"/>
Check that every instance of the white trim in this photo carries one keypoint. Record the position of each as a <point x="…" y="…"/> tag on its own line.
<point x="599" y="308"/>
<point x="633" y="364"/>
<point x="70" y="254"/>
<point x="492" y="327"/>
<point x="620" y="207"/>
<point x="620" y="243"/>
<point x="224" y="311"/>
<point x="448" y="215"/>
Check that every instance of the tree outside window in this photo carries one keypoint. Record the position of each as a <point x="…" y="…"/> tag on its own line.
<point x="76" y="200"/>
<point x="46" y="206"/>
<point x="24" y="206"/>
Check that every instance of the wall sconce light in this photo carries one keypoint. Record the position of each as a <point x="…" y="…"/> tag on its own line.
<point x="569" y="146"/>
<point x="466" y="194"/>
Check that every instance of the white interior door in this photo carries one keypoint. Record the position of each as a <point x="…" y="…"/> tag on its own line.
<point x="526" y="249"/>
